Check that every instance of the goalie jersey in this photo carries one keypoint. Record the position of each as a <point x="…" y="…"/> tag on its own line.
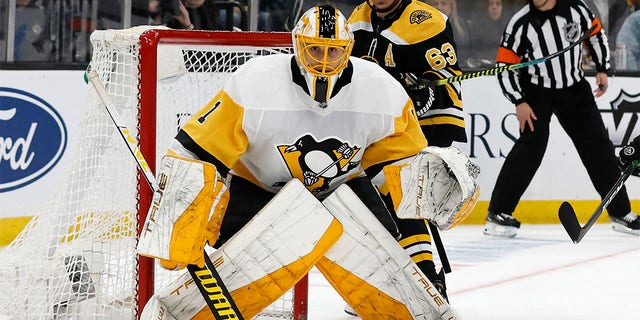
<point x="265" y="127"/>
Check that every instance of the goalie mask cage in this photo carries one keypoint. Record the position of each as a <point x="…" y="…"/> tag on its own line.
<point x="76" y="258"/>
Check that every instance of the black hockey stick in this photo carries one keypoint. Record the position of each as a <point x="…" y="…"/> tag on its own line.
<point x="207" y="279"/>
<point x="568" y="216"/>
<point x="424" y="83"/>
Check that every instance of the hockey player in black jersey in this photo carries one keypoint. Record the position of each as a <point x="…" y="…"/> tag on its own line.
<point x="413" y="41"/>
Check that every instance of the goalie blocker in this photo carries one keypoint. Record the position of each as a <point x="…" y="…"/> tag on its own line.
<point x="186" y="212"/>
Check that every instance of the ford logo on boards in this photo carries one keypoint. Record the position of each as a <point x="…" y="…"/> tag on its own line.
<point x="33" y="138"/>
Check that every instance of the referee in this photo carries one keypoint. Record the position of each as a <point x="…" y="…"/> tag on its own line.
<point x="557" y="86"/>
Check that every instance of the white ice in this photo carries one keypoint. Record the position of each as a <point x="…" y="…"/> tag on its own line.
<point x="540" y="274"/>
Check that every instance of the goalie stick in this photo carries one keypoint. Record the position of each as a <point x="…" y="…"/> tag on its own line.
<point x="424" y="83"/>
<point x="207" y="279"/>
<point x="568" y="216"/>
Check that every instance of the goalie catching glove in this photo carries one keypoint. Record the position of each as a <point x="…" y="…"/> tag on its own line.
<point x="186" y="212"/>
<point x="439" y="185"/>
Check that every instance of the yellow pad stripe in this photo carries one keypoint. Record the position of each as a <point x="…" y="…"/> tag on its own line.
<point x="394" y="184"/>
<point x="254" y="297"/>
<point x="369" y="302"/>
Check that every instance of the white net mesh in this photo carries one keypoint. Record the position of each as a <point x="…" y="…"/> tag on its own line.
<point x="76" y="258"/>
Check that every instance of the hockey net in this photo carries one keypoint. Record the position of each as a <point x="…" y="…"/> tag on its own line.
<point x="76" y="258"/>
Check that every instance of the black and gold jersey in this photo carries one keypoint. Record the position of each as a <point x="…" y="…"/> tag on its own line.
<point x="417" y="40"/>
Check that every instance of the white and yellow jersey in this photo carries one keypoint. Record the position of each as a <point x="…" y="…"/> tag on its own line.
<point x="266" y="128"/>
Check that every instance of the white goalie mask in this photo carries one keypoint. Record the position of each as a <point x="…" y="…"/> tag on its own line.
<point x="322" y="44"/>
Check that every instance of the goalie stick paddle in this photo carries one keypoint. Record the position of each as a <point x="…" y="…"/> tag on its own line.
<point x="568" y="216"/>
<point x="207" y="279"/>
<point x="487" y="72"/>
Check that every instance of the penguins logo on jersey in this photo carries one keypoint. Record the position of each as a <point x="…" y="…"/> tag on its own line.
<point x="317" y="163"/>
<point x="572" y="32"/>
<point x="419" y="16"/>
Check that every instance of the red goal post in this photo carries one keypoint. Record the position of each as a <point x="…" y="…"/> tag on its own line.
<point x="76" y="258"/>
<point x="150" y="41"/>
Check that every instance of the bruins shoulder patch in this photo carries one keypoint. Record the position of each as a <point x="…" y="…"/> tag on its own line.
<point x="419" y="16"/>
<point x="419" y="22"/>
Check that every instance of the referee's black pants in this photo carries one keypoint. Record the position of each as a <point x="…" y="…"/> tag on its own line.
<point x="578" y="114"/>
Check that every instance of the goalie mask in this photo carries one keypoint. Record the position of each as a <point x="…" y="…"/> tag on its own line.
<point x="322" y="43"/>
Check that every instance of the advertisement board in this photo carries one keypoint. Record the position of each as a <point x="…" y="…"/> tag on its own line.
<point x="39" y="116"/>
<point x="492" y="129"/>
<point x="40" y="112"/>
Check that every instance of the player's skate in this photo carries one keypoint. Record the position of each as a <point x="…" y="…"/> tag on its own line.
<point x="501" y="224"/>
<point x="440" y="284"/>
<point x="628" y="224"/>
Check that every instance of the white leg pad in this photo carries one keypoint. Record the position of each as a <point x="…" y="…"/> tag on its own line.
<point x="264" y="259"/>
<point x="372" y="272"/>
<point x="155" y="309"/>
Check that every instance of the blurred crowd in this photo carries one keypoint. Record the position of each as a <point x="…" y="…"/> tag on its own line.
<point x="58" y="30"/>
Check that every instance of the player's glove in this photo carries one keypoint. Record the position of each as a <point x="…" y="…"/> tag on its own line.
<point x="630" y="153"/>
<point x="423" y="98"/>
<point x="420" y="91"/>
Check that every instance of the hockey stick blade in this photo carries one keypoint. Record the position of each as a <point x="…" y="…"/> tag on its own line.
<point x="568" y="216"/>
<point x="570" y="222"/>
<point x="207" y="279"/>
<point x="491" y="71"/>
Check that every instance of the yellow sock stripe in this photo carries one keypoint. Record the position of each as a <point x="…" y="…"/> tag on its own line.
<point x="415" y="239"/>
<point x="422" y="257"/>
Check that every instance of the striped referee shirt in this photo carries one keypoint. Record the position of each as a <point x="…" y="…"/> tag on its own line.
<point x="533" y="34"/>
